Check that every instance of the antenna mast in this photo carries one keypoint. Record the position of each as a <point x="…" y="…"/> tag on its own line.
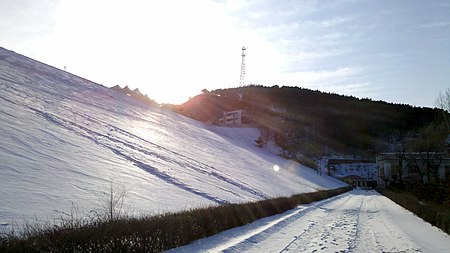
<point x="242" y="80"/>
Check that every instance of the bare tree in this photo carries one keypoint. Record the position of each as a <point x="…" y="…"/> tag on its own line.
<point x="443" y="102"/>
<point x="400" y="151"/>
<point x="429" y="150"/>
<point x="386" y="179"/>
<point x="112" y="200"/>
<point x="416" y="167"/>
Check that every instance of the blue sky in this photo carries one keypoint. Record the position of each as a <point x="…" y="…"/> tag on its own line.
<point x="397" y="51"/>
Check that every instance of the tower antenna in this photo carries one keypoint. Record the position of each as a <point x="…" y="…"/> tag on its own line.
<point x="242" y="80"/>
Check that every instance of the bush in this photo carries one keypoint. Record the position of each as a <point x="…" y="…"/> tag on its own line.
<point x="155" y="233"/>
<point x="438" y="193"/>
<point x="437" y="215"/>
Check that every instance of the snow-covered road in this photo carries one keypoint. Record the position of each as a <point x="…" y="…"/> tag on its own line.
<point x="358" y="221"/>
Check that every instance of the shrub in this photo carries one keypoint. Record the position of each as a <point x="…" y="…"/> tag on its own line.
<point x="436" y="214"/>
<point x="438" y="193"/>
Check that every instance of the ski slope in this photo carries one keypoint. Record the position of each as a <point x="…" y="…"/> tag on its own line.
<point x="357" y="221"/>
<point x="64" y="140"/>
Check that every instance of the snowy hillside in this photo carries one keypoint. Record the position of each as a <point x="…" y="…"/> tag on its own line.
<point x="63" y="139"/>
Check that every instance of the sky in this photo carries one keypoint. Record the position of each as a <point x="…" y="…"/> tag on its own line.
<point x="392" y="50"/>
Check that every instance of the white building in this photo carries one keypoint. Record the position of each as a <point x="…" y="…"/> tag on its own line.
<point x="236" y="117"/>
<point x="360" y="173"/>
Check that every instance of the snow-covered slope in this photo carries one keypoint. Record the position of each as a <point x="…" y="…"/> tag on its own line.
<point x="63" y="139"/>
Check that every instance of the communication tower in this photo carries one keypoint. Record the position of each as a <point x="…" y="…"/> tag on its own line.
<point x="242" y="80"/>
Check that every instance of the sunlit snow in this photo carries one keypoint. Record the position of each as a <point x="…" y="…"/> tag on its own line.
<point x="64" y="139"/>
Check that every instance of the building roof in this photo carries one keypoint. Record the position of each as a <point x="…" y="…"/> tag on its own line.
<point x="416" y="155"/>
<point x="347" y="161"/>
<point x="353" y="177"/>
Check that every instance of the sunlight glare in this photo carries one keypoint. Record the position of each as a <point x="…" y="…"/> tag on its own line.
<point x="168" y="53"/>
<point x="276" y="168"/>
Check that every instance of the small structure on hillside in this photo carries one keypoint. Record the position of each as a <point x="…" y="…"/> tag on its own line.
<point x="236" y="117"/>
<point x="358" y="173"/>
<point x="136" y="93"/>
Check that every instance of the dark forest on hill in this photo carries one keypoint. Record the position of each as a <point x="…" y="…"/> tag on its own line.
<point x="308" y="124"/>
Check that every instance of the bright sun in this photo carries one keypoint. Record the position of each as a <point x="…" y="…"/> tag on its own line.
<point x="169" y="53"/>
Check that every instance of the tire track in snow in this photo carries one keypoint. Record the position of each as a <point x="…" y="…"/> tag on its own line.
<point x="246" y="241"/>
<point x="383" y="231"/>
<point x="353" y="226"/>
<point x="97" y="138"/>
<point x="186" y="162"/>
<point x="367" y="240"/>
<point x="334" y="231"/>
<point x="169" y="179"/>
